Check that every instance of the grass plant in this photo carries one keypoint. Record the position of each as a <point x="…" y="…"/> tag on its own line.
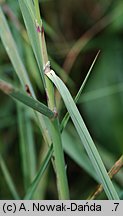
<point x="43" y="117"/>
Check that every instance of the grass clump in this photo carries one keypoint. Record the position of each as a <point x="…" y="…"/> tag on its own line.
<point x="43" y="135"/>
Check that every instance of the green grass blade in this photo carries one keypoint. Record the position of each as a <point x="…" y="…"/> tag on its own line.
<point x="27" y="100"/>
<point x="23" y="147"/>
<point x="41" y="171"/>
<point x="67" y="116"/>
<point x="85" y="137"/>
<point x="86" y="78"/>
<point x="20" y="70"/>
<point x="28" y="12"/>
<point x="27" y="149"/>
<point x="59" y="70"/>
<point x="76" y="152"/>
<point x="8" y="179"/>
<point x="12" y="51"/>
<point x="62" y="181"/>
<point x="30" y="146"/>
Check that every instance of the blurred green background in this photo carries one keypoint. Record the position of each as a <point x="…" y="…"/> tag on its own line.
<point x="75" y="32"/>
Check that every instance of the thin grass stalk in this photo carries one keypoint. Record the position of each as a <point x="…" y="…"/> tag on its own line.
<point x="62" y="182"/>
<point x="30" y="146"/>
<point x="41" y="171"/>
<point x="67" y="116"/>
<point x="113" y="171"/>
<point x="15" y="58"/>
<point x="9" y="179"/>
<point x="20" y="70"/>
<point x="23" y="147"/>
<point x="41" y="189"/>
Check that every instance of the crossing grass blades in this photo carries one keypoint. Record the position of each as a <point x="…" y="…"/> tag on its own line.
<point x="45" y="115"/>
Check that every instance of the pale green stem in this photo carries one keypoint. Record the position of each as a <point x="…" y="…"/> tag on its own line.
<point x="62" y="182"/>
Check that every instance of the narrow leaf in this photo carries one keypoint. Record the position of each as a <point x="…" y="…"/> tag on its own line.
<point x="41" y="171"/>
<point x="28" y="12"/>
<point x="84" y="136"/>
<point x="8" y="179"/>
<point x="24" y="152"/>
<point x="77" y="153"/>
<point x="67" y="116"/>
<point x="12" y="51"/>
<point x="27" y="100"/>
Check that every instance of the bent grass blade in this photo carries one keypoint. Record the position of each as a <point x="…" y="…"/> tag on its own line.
<point x="84" y="136"/>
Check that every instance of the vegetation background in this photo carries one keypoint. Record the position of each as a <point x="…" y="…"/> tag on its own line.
<point x="75" y="31"/>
